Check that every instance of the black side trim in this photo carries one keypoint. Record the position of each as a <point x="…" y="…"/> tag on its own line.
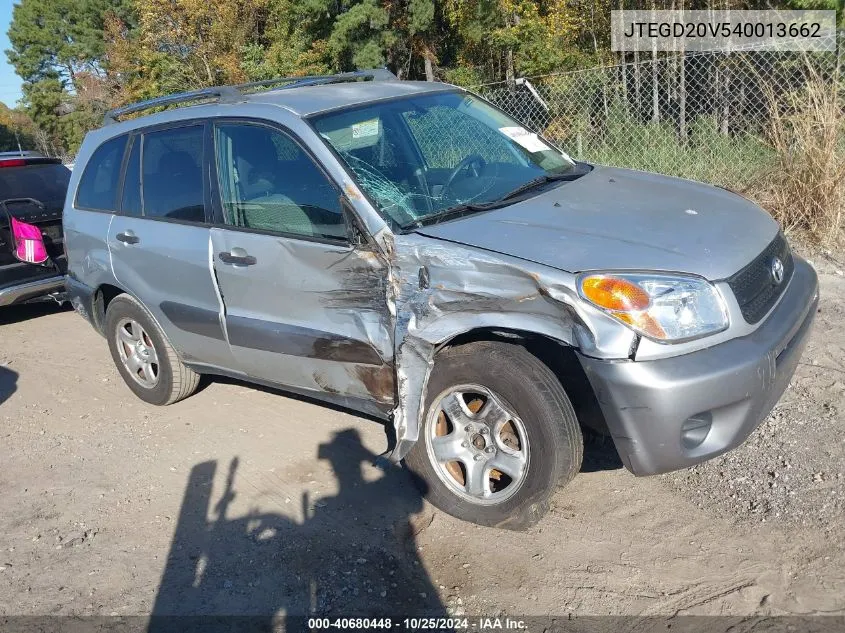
<point x="193" y="319"/>
<point x="294" y="340"/>
<point x="379" y="411"/>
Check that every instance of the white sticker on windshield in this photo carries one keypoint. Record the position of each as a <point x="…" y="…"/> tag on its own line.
<point x="366" y="128"/>
<point x="528" y="140"/>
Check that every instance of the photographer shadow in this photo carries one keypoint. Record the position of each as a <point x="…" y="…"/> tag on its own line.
<point x="353" y="555"/>
<point x="8" y="383"/>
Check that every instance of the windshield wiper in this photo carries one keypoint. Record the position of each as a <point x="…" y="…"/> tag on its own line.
<point x="469" y="207"/>
<point x="465" y="208"/>
<point x="542" y="180"/>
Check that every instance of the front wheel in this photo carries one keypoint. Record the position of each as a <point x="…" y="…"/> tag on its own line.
<point x="499" y="435"/>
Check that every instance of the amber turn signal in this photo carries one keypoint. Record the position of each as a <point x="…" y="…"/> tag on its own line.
<point x="643" y="322"/>
<point x="613" y="293"/>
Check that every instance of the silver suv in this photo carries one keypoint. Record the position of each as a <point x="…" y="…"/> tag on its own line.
<point x="406" y="250"/>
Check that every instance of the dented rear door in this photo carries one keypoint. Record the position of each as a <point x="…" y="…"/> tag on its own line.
<point x="303" y="307"/>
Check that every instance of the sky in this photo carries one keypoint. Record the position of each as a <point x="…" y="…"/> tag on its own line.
<point x="10" y="83"/>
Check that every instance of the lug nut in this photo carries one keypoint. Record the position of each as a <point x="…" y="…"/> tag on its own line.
<point x="490" y="449"/>
<point x="468" y="428"/>
<point x="465" y="444"/>
<point x="484" y="430"/>
<point x="477" y="458"/>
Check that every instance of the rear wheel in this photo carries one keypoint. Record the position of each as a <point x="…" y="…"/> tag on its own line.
<point x="499" y="435"/>
<point x="145" y="359"/>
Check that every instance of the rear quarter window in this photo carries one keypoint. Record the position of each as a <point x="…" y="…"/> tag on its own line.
<point x="101" y="178"/>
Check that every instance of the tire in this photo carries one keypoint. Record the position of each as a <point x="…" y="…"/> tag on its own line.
<point x="172" y="381"/>
<point x="536" y="406"/>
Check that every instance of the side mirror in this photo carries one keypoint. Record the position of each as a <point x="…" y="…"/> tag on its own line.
<point x="26" y="241"/>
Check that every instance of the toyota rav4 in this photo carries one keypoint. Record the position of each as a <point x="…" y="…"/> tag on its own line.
<point x="407" y="250"/>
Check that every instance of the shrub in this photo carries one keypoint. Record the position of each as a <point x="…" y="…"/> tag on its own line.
<point x="806" y="188"/>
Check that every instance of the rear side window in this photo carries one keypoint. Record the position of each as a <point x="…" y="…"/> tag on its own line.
<point x="99" y="182"/>
<point x="171" y="174"/>
<point x="46" y="183"/>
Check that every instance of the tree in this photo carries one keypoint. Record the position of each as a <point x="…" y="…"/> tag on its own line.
<point x="361" y="36"/>
<point x="410" y="37"/>
<point x="506" y="38"/>
<point x="63" y="37"/>
<point x="202" y="39"/>
<point x="17" y="130"/>
<point x="830" y="5"/>
<point x="57" y="48"/>
<point x="43" y="101"/>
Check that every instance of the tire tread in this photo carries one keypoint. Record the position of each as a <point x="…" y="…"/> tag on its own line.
<point x="568" y="450"/>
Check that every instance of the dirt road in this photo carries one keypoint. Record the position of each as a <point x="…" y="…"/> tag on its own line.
<point x="242" y="500"/>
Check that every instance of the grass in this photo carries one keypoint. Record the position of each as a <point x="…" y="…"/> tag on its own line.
<point x="707" y="156"/>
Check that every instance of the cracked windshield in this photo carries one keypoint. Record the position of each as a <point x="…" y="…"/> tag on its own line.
<point x="421" y="158"/>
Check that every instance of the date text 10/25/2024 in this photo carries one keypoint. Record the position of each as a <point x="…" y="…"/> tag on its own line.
<point x="480" y="624"/>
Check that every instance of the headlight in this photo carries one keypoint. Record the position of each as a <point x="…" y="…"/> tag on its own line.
<point x="666" y="308"/>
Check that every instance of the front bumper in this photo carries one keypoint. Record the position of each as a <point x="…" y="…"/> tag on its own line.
<point x="658" y="411"/>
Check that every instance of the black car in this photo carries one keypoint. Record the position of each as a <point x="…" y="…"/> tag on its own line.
<point x="32" y="190"/>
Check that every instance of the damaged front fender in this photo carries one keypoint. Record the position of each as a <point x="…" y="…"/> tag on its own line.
<point x="439" y="290"/>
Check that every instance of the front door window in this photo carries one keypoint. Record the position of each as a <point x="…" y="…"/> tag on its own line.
<point x="269" y="183"/>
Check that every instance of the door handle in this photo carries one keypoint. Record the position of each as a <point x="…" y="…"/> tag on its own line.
<point x="238" y="260"/>
<point x="127" y="237"/>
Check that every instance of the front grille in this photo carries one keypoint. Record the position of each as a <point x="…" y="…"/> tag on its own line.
<point x="754" y="286"/>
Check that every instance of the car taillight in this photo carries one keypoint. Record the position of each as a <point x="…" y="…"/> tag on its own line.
<point x="13" y="162"/>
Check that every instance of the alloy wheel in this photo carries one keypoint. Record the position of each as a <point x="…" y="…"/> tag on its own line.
<point x="137" y="353"/>
<point x="477" y="444"/>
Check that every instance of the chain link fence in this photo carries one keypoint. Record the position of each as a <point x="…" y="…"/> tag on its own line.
<point x="703" y="116"/>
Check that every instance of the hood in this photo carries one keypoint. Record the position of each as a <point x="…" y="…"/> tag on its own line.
<point x="620" y="219"/>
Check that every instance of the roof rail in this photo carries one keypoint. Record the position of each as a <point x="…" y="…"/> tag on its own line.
<point x="222" y="93"/>
<point x="373" y="74"/>
<point x="235" y="93"/>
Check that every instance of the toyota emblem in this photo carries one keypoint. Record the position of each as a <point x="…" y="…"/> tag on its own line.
<point x="777" y="270"/>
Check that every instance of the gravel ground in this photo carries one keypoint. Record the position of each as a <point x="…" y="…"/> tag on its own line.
<point x="792" y="468"/>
